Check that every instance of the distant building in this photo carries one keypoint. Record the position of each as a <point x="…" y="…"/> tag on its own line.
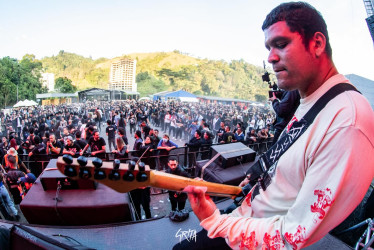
<point x="122" y="75"/>
<point x="48" y="80"/>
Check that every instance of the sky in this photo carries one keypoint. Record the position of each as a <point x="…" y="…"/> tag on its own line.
<point x="214" y="29"/>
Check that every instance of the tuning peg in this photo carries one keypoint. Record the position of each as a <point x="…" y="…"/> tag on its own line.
<point x="84" y="173"/>
<point x="116" y="164"/>
<point x="141" y="177"/>
<point x="97" y="162"/>
<point x="141" y="166"/>
<point x="114" y="175"/>
<point x="128" y="176"/>
<point x="82" y="161"/>
<point x="99" y="174"/>
<point x="132" y="165"/>
<point x="68" y="159"/>
<point x="70" y="171"/>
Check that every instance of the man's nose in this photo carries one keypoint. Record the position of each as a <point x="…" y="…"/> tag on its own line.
<point x="273" y="56"/>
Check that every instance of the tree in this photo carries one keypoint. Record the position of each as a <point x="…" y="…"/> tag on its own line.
<point x="24" y="74"/>
<point x="64" y="85"/>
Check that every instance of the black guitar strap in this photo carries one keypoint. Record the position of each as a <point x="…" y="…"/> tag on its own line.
<point x="258" y="172"/>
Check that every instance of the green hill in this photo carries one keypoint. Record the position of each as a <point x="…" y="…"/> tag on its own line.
<point x="161" y="71"/>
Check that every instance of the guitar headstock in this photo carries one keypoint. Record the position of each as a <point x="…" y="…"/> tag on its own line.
<point x="121" y="177"/>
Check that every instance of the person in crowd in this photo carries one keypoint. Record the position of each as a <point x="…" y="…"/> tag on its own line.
<point x="262" y="135"/>
<point x="193" y="148"/>
<point x="192" y="128"/>
<point x="251" y="137"/>
<point x="122" y="134"/>
<point x="122" y="122"/>
<point x="71" y="147"/>
<point x="141" y="197"/>
<point x="145" y="129"/>
<point x="164" y="147"/>
<point x="96" y="144"/>
<point x="216" y="124"/>
<point x="38" y="152"/>
<point x="54" y="148"/>
<point x="167" y="120"/>
<point x="177" y="199"/>
<point x="206" y="143"/>
<point x="121" y="151"/>
<point x="132" y="122"/>
<point x="284" y="108"/>
<point x="146" y="151"/>
<point x="5" y="162"/>
<point x="228" y="136"/>
<point x="220" y="132"/>
<point x="12" y="179"/>
<point x="7" y="208"/>
<point x="310" y="188"/>
<point x="78" y="140"/>
<point x="238" y="135"/>
<point x="111" y="133"/>
<point x="138" y="140"/>
<point x="98" y="118"/>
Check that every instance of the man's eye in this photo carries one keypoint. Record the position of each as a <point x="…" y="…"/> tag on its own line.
<point x="281" y="45"/>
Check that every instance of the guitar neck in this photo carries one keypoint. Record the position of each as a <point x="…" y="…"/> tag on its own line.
<point x="178" y="183"/>
<point x="123" y="180"/>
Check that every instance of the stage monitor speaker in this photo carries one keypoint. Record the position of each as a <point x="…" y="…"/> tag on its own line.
<point x="233" y="154"/>
<point x="51" y="176"/>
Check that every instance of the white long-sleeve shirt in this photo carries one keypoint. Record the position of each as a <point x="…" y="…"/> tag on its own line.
<point x="315" y="184"/>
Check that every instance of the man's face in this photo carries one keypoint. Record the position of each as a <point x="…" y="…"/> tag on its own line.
<point x="51" y="138"/>
<point x="96" y="136"/>
<point x="292" y="63"/>
<point x="69" y="142"/>
<point x="172" y="164"/>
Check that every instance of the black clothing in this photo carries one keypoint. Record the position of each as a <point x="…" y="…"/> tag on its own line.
<point x="82" y="143"/>
<point x="205" y="148"/>
<point x="75" y="148"/>
<point x="111" y="131"/>
<point x="12" y="179"/>
<point x="96" y="146"/>
<point x="177" y="199"/>
<point x="285" y="109"/>
<point x="141" y="197"/>
<point x="193" y="146"/>
<point x="56" y="144"/>
<point x="228" y="137"/>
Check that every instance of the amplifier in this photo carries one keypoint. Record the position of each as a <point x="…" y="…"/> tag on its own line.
<point x="232" y="154"/>
<point x="51" y="176"/>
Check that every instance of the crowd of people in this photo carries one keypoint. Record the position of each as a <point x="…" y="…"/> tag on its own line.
<point x="37" y="134"/>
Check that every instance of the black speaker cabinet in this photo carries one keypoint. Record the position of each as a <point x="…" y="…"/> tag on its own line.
<point x="232" y="154"/>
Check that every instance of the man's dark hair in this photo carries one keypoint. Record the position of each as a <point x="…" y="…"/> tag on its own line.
<point x="302" y="18"/>
<point x="138" y="133"/>
<point x="173" y="158"/>
<point x="37" y="140"/>
<point x="31" y="130"/>
<point x="109" y="122"/>
<point x="78" y="134"/>
<point x="121" y="131"/>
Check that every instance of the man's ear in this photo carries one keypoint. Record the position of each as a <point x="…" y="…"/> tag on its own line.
<point x="318" y="43"/>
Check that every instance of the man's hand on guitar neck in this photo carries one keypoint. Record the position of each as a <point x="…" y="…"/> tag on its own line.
<point x="201" y="203"/>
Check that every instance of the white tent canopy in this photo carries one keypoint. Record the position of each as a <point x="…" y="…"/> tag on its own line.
<point x="25" y="103"/>
<point x="188" y="99"/>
